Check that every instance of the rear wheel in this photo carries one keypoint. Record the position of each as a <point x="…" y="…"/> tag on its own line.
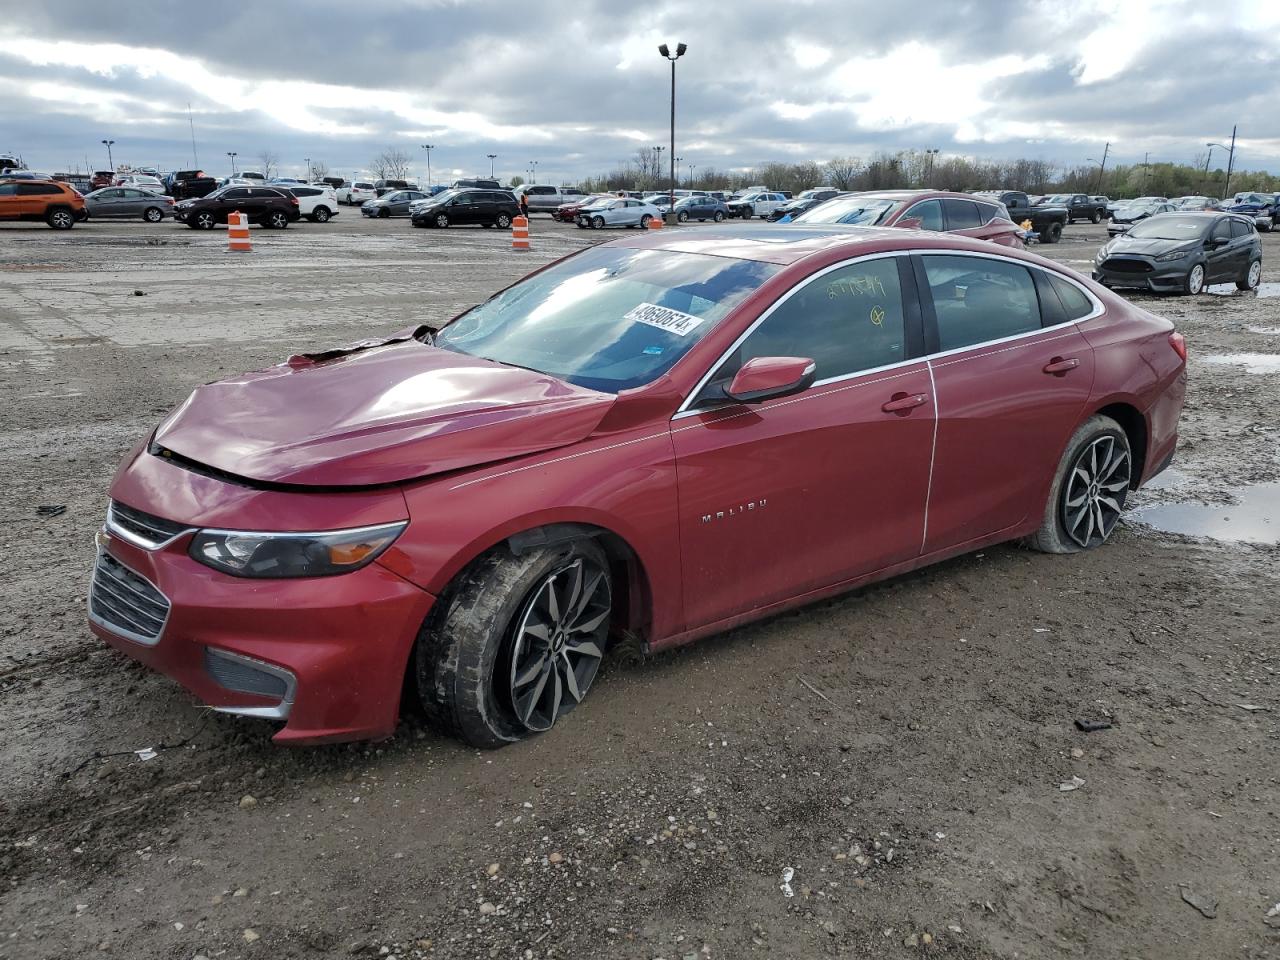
<point x="1251" y="277"/>
<point x="1194" y="283"/>
<point x="1089" y="491"/>
<point x="1095" y="217"/>
<point x="321" y="214"/>
<point x="719" y="216"/>
<point x="276" y="220"/>
<point x="1052" y="233"/>
<point x="61" y="219"/>
<point x="516" y="644"/>
<point x="504" y="220"/>
<point x="153" y="215"/>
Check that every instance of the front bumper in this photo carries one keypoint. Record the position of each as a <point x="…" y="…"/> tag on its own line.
<point x="1143" y="273"/>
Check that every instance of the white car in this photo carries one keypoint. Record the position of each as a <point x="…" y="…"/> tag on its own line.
<point x="756" y="205"/>
<point x="140" y="181"/>
<point x="318" y="202"/>
<point x="617" y="212"/>
<point x="356" y="192"/>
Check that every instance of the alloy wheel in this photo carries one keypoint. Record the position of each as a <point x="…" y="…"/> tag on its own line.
<point x="559" y="643"/>
<point x="61" y="220"/>
<point x="154" y="215"/>
<point x="1195" y="279"/>
<point x="1095" y="491"/>
<point x="205" y="221"/>
<point x="442" y="220"/>
<point x="1254" y="276"/>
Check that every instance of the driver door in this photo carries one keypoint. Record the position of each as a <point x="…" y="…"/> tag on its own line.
<point x="793" y="494"/>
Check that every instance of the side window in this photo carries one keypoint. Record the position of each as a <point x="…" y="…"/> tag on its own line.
<point x="848" y="320"/>
<point x="1240" y="229"/>
<point x="1222" y="230"/>
<point x="36" y="189"/>
<point x="8" y="189"/>
<point x="240" y="194"/>
<point x="977" y="299"/>
<point x="961" y="214"/>
<point x="465" y="198"/>
<point x="929" y="212"/>
<point x="1072" y="298"/>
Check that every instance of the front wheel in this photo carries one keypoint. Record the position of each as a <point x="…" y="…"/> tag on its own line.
<point x="1051" y="233"/>
<point x="384" y="213"/>
<point x="1194" y="282"/>
<point x="597" y="223"/>
<point x="277" y="220"/>
<point x="204" y="220"/>
<point x="1089" y="490"/>
<point x="683" y="216"/>
<point x="153" y="215"/>
<point x="504" y="220"/>
<point x="517" y="646"/>
<point x="646" y="220"/>
<point x="442" y="220"/>
<point x="1251" y="277"/>
<point x="320" y="215"/>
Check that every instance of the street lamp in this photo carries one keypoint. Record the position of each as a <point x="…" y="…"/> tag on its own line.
<point x="308" y="162"/>
<point x="232" y="155"/>
<point x="692" y="167"/>
<point x="666" y="53"/>
<point x="428" y="147"/>
<point x="657" y="162"/>
<point x="533" y="171"/>
<point x="492" y="157"/>
<point x="110" y="163"/>
<point x="931" y="152"/>
<point x="1231" y="156"/>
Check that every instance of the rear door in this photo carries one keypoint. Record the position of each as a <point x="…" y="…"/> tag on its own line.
<point x="132" y="202"/>
<point x="928" y="212"/>
<point x="1011" y="374"/>
<point x="1225" y="254"/>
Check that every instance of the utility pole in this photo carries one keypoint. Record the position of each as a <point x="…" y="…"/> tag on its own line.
<point x="1205" y="178"/>
<point x="428" y="147"/>
<point x="1145" y="157"/>
<point x="195" y="162"/>
<point x="492" y="157"/>
<point x="1231" y="156"/>
<point x="307" y="160"/>
<point x="1102" y="168"/>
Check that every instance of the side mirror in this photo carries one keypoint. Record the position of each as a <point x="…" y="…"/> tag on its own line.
<point x="1219" y="241"/>
<point x="910" y="223"/>
<point x="767" y="377"/>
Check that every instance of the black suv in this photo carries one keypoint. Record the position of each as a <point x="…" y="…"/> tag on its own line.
<point x="486" y="207"/>
<point x="270" y="206"/>
<point x="383" y="187"/>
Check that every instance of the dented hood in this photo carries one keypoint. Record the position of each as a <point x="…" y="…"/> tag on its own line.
<point x="377" y="414"/>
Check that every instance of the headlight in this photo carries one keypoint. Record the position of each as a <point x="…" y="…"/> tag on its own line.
<point x="1173" y="255"/>
<point x="275" y="555"/>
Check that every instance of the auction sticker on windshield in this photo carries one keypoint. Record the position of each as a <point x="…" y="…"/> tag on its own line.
<point x="664" y="318"/>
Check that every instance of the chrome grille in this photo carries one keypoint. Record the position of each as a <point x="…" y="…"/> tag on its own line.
<point x="125" y="602"/>
<point x="141" y="529"/>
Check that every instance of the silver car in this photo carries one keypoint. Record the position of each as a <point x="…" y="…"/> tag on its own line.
<point x="617" y="212"/>
<point x="128" y="202"/>
<point x="394" y="204"/>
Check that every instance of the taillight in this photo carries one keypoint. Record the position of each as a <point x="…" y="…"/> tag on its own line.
<point x="1179" y="344"/>
<point x="294" y="201"/>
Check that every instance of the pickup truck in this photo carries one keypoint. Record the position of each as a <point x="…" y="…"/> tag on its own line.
<point x="544" y="198"/>
<point x="189" y="184"/>
<point x="1079" y="206"/>
<point x="1047" y="220"/>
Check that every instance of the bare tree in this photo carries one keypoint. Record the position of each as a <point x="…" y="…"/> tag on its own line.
<point x="319" y="169"/>
<point x="270" y="161"/>
<point x="391" y="164"/>
<point x="841" y="171"/>
<point x="517" y="181"/>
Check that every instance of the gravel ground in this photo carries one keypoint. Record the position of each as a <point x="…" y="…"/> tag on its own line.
<point x="900" y="749"/>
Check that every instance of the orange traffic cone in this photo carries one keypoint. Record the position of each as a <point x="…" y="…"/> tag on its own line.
<point x="238" y="232"/>
<point x="655" y="223"/>
<point x="520" y="233"/>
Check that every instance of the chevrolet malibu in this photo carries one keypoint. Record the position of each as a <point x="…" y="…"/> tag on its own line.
<point x="644" y="443"/>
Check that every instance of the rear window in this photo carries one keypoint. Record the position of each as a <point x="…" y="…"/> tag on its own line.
<point x="306" y="192"/>
<point x="978" y="299"/>
<point x="961" y="214"/>
<point x="1074" y="302"/>
<point x="364" y="186"/>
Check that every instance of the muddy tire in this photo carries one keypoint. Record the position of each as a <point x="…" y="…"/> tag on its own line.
<point x="476" y="652"/>
<point x="1051" y="233"/>
<point x="1089" y="490"/>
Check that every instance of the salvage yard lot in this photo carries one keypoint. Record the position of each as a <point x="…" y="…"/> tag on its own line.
<point x="901" y="748"/>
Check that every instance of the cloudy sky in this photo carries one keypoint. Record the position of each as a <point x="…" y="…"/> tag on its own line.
<point x="578" y="85"/>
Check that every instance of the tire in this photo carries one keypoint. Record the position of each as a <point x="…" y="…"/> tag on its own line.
<point x="597" y="223"/>
<point x="276" y="220"/>
<point x="1070" y="528"/>
<point x="1194" y="282"/>
<point x="204" y="220"/>
<point x="719" y="216"/>
<point x="1251" y="277"/>
<point x="1052" y="233"/>
<point x="153" y="214"/>
<point x="60" y="218"/>
<point x="646" y="220"/>
<point x="472" y="649"/>
<point x="384" y="213"/>
<point x="1095" y="217"/>
<point x="504" y="221"/>
<point x="683" y="216"/>
<point x="442" y="220"/>
<point x="320" y="215"/>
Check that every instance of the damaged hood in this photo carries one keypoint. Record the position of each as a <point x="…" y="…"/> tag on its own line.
<point x="376" y="414"/>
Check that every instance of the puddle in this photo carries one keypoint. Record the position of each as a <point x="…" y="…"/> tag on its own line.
<point x="1167" y="479"/>
<point x="1253" y="518"/>
<point x="1230" y="290"/>
<point x="1266" y="331"/>
<point x="1252" y="362"/>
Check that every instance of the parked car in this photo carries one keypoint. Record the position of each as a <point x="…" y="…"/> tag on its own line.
<point x="394" y="204"/>
<point x="129" y="203"/>
<point x="56" y="204"/>
<point x="1105" y="201"/>
<point x="1183" y="252"/>
<point x="660" y="200"/>
<point x="140" y="181"/>
<point x="1264" y="208"/>
<point x="1195" y="203"/>
<point x="334" y="182"/>
<point x="25" y="175"/>
<point x="1125" y="217"/>
<point x="273" y="207"/>
<point x="477" y="183"/>
<point x="700" y="207"/>
<point x="1046" y="220"/>
<point x="1079" y="206"/>
<point x="544" y="198"/>
<point x="1114" y="205"/>
<point x="617" y="212"/>
<point x="383" y="187"/>
<point x="568" y="212"/>
<point x="189" y="184"/>
<point x="467" y="206"/>
<point x="755" y="205"/>
<point x="317" y="202"/>
<point x="818" y="193"/>
<point x="792" y="209"/>
<point x="934" y="210"/>
<point x="498" y="500"/>
<point x="356" y="192"/>
<point x="101" y="178"/>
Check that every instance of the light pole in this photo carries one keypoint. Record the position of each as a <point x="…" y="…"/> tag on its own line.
<point x="308" y="162"/>
<point x="679" y="160"/>
<point x="428" y="147"/>
<point x="931" y="152"/>
<point x="1205" y="178"/>
<point x="692" y="167"/>
<point x="1231" y="157"/>
<point x="110" y="162"/>
<point x="492" y="157"/>
<point x="232" y="155"/>
<point x="533" y="171"/>
<point x="1102" y="164"/>
<point x="657" y="163"/>
<point x="666" y="53"/>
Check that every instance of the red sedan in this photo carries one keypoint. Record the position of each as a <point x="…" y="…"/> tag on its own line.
<point x="938" y="210"/>
<point x="568" y="212"/>
<point x="656" y="438"/>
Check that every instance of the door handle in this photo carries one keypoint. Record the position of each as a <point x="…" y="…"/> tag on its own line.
<point x="902" y="402"/>
<point x="1059" y="366"/>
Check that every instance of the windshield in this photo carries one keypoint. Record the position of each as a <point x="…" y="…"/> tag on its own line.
<point x="607" y="319"/>
<point x="1169" y="227"/>
<point x="1058" y="198"/>
<point x="867" y="211"/>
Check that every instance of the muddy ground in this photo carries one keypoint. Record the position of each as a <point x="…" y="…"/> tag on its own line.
<point x="901" y="748"/>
